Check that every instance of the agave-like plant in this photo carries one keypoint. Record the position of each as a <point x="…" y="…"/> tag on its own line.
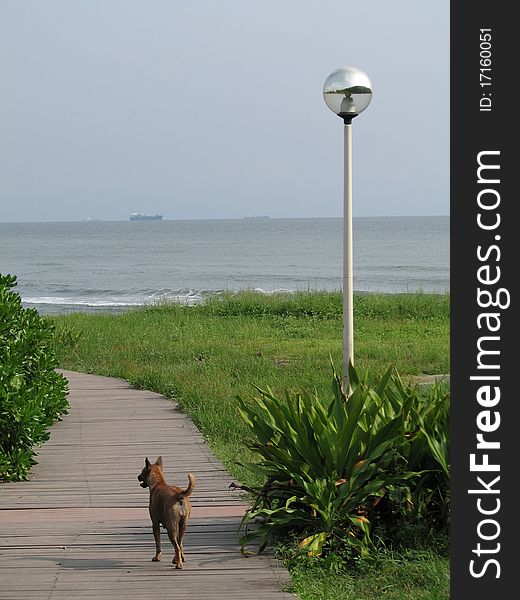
<point x="327" y="463"/>
<point x="426" y="448"/>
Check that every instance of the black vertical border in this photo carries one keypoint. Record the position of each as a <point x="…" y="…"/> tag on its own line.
<point x="473" y="131"/>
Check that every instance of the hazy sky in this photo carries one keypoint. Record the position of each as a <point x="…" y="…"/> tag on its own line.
<point x="214" y="108"/>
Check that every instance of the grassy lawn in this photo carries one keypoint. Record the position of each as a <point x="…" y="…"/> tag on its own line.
<point x="419" y="574"/>
<point x="203" y="356"/>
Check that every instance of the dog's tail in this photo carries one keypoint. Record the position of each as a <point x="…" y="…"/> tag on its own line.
<point x="191" y="485"/>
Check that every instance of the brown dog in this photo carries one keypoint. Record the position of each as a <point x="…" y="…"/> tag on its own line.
<point x="169" y="506"/>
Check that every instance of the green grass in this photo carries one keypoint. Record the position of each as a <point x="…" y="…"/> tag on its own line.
<point x="203" y="356"/>
<point x="418" y="574"/>
<point x="417" y="567"/>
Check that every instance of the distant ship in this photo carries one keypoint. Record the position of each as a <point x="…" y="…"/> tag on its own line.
<point x="256" y="218"/>
<point x="140" y="217"/>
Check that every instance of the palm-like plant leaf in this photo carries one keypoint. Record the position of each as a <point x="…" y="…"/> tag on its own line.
<point x="326" y="461"/>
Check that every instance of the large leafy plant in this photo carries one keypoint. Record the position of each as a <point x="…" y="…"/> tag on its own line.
<point x="426" y="448"/>
<point x="32" y="394"/>
<point x="328" y="462"/>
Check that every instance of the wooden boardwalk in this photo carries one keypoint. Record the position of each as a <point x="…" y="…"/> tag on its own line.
<point x="79" y="528"/>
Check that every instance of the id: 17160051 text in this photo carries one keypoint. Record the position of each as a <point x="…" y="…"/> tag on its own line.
<point x="485" y="70"/>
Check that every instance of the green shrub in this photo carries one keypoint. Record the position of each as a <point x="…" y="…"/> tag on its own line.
<point x="331" y="464"/>
<point x="426" y="449"/>
<point x="32" y="394"/>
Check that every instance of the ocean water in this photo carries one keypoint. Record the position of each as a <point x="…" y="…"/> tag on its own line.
<point x="114" y="265"/>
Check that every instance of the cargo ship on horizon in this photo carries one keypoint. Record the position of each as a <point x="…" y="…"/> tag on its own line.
<point x="135" y="216"/>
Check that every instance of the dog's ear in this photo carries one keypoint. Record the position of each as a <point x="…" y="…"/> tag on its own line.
<point x="159" y="461"/>
<point x="147" y="463"/>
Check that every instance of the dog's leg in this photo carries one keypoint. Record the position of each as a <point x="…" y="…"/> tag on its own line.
<point x="182" y="532"/>
<point x="157" y="535"/>
<point x="173" y="534"/>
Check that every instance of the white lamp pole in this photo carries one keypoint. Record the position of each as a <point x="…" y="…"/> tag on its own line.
<point x="348" y="278"/>
<point x="347" y="92"/>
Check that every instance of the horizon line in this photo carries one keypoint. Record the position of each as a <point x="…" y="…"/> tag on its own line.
<point x="249" y="217"/>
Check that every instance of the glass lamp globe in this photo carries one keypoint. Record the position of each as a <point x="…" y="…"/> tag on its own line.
<point x="347" y="92"/>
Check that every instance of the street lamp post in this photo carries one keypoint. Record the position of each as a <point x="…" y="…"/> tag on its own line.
<point x="347" y="92"/>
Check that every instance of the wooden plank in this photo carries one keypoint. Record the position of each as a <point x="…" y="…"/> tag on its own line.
<point x="79" y="528"/>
